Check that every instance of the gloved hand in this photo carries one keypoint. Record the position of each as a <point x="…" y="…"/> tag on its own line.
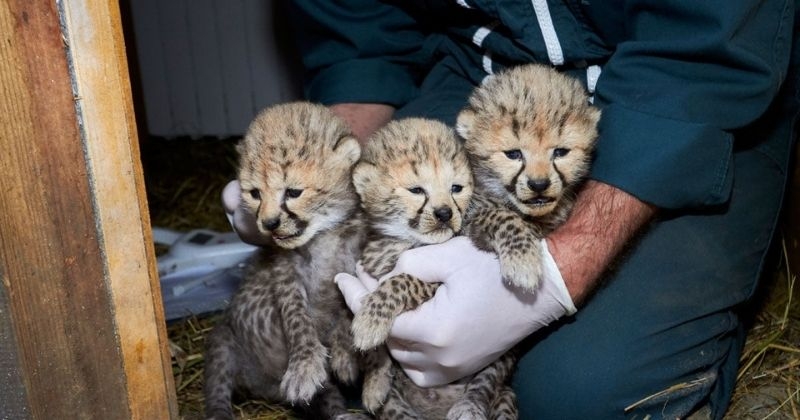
<point x="242" y="222"/>
<point x="474" y="317"/>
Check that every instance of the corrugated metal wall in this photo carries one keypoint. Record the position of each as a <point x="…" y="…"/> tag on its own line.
<point x="207" y="66"/>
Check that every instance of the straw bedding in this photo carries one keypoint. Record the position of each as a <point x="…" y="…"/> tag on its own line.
<point x="184" y="178"/>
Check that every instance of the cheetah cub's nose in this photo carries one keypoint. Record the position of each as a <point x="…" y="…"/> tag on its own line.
<point x="538" y="185"/>
<point x="443" y="214"/>
<point x="271" y="224"/>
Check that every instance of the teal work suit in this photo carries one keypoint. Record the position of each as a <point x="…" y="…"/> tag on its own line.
<point x="699" y="101"/>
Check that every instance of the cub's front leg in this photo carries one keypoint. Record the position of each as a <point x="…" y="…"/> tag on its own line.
<point x="344" y="359"/>
<point x="378" y="377"/>
<point x="306" y="371"/>
<point x="515" y="241"/>
<point x="379" y="309"/>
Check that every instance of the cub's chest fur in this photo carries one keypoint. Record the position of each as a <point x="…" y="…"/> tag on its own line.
<point x="332" y="252"/>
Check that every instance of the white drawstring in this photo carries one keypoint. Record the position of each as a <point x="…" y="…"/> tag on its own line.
<point x="592" y="74"/>
<point x="478" y="38"/>
<point x="554" y="52"/>
<point x="487" y="63"/>
<point x="483" y="32"/>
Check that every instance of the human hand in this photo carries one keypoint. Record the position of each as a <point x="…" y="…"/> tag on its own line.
<point x="241" y="221"/>
<point x="473" y="318"/>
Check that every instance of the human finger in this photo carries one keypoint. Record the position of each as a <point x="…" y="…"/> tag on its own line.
<point x="371" y="283"/>
<point x="352" y="289"/>
<point x="231" y="197"/>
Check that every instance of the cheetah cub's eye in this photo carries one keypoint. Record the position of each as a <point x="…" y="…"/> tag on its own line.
<point x="456" y="188"/>
<point x="416" y="190"/>
<point x="293" y="192"/>
<point x="256" y="194"/>
<point x="515" y="154"/>
<point x="560" y="152"/>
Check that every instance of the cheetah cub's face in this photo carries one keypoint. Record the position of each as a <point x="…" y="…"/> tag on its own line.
<point x="295" y="171"/>
<point x="530" y="132"/>
<point x="414" y="181"/>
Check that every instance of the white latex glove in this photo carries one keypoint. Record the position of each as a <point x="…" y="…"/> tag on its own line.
<point x="242" y="221"/>
<point x="474" y="317"/>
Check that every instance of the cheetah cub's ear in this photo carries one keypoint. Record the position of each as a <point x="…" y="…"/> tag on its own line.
<point x="241" y="149"/>
<point x="348" y="149"/>
<point x="364" y="175"/>
<point x="464" y="122"/>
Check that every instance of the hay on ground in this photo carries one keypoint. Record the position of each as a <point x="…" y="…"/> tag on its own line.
<point x="185" y="177"/>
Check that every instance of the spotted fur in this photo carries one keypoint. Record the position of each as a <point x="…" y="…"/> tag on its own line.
<point x="287" y="328"/>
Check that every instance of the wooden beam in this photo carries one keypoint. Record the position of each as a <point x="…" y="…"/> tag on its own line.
<point x="78" y="265"/>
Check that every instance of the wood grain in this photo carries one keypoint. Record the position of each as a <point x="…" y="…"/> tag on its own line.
<point x="77" y="264"/>
<point x="111" y="143"/>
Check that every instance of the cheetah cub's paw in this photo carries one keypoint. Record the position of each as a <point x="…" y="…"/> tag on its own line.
<point x="466" y="410"/>
<point x="371" y="325"/>
<point x="522" y="269"/>
<point x="344" y="365"/>
<point x="305" y="374"/>
<point x="377" y="386"/>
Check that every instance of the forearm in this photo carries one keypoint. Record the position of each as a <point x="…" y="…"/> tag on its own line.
<point x="603" y="221"/>
<point x="363" y="119"/>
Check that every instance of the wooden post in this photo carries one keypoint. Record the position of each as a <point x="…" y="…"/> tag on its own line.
<point x="80" y="290"/>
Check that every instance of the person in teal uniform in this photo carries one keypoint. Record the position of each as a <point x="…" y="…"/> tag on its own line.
<point x="699" y="101"/>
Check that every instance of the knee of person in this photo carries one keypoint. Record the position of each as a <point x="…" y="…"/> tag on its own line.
<point x="572" y="393"/>
<point x="567" y="390"/>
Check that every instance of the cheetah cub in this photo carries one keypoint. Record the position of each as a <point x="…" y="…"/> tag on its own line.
<point x="287" y="327"/>
<point x="416" y="187"/>
<point x="529" y="132"/>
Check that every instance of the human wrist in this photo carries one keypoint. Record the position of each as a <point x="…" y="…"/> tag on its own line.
<point x="363" y="118"/>
<point x="602" y="223"/>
